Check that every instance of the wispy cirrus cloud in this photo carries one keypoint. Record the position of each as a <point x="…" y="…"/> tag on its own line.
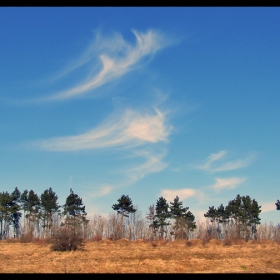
<point x="116" y="56"/>
<point x="129" y="130"/>
<point x="154" y="163"/>
<point x="214" y="163"/>
<point x="169" y="195"/>
<point x="101" y="191"/>
<point x="227" y="183"/>
<point x="268" y="207"/>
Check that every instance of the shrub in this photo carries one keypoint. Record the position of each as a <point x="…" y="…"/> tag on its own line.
<point x="66" y="240"/>
<point x="227" y="242"/>
<point x="96" y="238"/>
<point x="206" y="238"/>
<point x="26" y="237"/>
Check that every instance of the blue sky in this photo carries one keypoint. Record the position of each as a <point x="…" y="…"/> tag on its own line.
<point x="145" y="101"/>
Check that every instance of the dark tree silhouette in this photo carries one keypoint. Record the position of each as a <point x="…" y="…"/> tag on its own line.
<point x="152" y="220"/>
<point x="184" y="219"/>
<point x="49" y="207"/>
<point x="74" y="213"/>
<point x="124" y="207"/>
<point x="162" y="215"/>
<point x="277" y="205"/>
<point x="15" y="211"/>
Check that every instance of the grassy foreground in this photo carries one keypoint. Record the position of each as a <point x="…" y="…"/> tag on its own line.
<point x="141" y="256"/>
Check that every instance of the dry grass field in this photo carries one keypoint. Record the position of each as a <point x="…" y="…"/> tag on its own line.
<point x="141" y="256"/>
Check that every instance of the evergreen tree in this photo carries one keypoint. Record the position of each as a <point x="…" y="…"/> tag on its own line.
<point x="222" y="217"/>
<point x="217" y="216"/>
<point x="176" y="208"/>
<point x="152" y="220"/>
<point x="244" y="213"/>
<point x="5" y="219"/>
<point x="162" y="215"/>
<point x="15" y="213"/>
<point x="49" y="207"/>
<point x="124" y="207"/>
<point x="188" y="221"/>
<point x="277" y="205"/>
<point x="184" y="219"/>
<point x="211" y="214"/>
<point x="74" y="213"/>
<point x="9" y="213"/>
<point x="32" y="206"/>
<point x="24" y="206"/>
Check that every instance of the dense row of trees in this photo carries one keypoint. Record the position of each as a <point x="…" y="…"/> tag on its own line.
<point x="241" y="215"/>
<point x="163" y="215"/>
<point x="42" y="216"/>
<point x="160" y="217"/>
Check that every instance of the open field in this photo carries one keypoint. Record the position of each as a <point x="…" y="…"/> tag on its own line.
<point x="140" y="256"/>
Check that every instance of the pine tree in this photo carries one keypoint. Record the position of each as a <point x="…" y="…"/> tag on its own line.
<point x="162" y="215"/>
<point x="9" y="213"/>
<point x="244" y="213"/>
<point x="32" y="206"/>
<point x="49" y="207"/>
<point x="277" y="204"/>
<point x="212" y="216"/>
<point x="5" y="219"/>
<point x="74" y="214"/>
<point x="223" y="219"/>
<point x="124" y="208"/>
<point x="153" y="226"/>
<point x="15" y="211"/>
<point x="24" y="206"/>
<point x="176" y="208"/>
<point x="217" y="216"/>
<point x="184" y="219"/>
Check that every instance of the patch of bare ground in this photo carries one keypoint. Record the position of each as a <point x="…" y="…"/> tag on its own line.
<point x="141" y="256"/>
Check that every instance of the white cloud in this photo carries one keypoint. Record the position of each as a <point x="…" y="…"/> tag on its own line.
<point x="153" y="164"/>
<point x="103" y="190"/>
<point x="211" y="165"/>
<point x="232" y="165"/>
<point x="230" y="183"/>
<point x="130" y="130"/>
<point x="169" y="195"/>
<point x="199" y="217"/>
<point x="268" y="207"/>
<point x="210" y="159"/>
<point x="117" y="58"/>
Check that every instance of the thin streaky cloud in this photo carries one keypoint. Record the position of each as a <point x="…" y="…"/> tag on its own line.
<point x="209" y="160"/>
<point x="112" y="45"/>
<point x="102" y="191"/>
<point x="228" y="183"/>
<point x="115" y="63"/>
<point x="130" y="130"/>
<point x="213" y="163"/>
<point x="169" y="195"/>
<point x="232" y="165"/>
<point x="152" y="164"/>
<point x="268" y="207"/>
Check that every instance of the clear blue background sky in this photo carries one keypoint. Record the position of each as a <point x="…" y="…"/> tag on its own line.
<point x="145" y="101"/>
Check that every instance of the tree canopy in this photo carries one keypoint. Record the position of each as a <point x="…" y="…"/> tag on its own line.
<point x="124" y="206"/>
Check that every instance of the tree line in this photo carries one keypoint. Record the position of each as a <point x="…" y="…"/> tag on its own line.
<point x="41" y="216"/>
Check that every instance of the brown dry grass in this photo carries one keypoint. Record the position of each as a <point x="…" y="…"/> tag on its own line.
<point x="122" y="256"/>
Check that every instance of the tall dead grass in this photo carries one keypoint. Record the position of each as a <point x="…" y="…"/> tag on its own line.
<point x="143" y="256"/>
